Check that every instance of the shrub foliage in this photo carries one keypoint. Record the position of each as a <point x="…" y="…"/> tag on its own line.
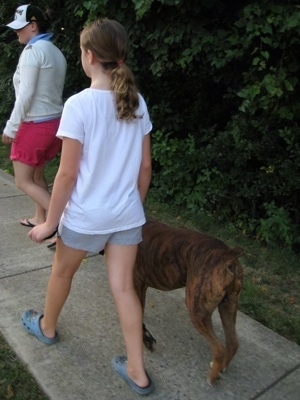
<point x="222" y="82"/>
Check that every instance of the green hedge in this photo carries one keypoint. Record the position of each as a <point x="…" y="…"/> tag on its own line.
<point x="221" y="81"/>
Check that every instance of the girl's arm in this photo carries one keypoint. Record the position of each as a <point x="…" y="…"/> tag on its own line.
<point x="62" y="188"/>
<point x="145" y="168"/>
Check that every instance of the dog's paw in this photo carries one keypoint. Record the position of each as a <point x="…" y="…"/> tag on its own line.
<point x="148" y="339"/>
<point x="222" y="370"/>
<point x="209" y="382"/>
<point x="150" y="344"/>
<point x="214" y="374"/>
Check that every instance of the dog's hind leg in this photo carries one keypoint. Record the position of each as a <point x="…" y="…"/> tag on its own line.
<point x="228" y="310"/>
<point x="201" y="319"/>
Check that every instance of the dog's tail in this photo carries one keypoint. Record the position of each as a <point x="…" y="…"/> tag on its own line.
<point x="228" y="307"/>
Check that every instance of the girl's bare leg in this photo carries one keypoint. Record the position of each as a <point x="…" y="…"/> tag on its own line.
<point x="66" y="263"/>
<point x="120" y="264"/>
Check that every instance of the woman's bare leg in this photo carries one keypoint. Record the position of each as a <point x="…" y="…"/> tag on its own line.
<point x="120" y="262"/>
<point x="25" y="181"/>
<point x="40" y="212"/>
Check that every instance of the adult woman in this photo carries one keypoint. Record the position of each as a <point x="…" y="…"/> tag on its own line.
<point x="31" y="129"/>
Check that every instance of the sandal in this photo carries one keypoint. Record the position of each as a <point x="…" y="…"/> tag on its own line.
<point x="52" y="234"/>
<point x="52" y="245"/>
<point x="27" y="223"/>
<point x="31" y="322"/>
<point x="119" y="366"/>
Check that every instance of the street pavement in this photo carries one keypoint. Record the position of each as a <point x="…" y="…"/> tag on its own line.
<point x="266" y="366"/>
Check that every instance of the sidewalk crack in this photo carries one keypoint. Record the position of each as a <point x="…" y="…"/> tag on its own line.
<point x="275" y="383"/>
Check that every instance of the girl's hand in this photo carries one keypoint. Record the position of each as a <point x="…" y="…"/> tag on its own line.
<point x="41" y="232"/>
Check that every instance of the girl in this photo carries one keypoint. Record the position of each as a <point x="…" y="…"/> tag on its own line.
<point x="97" y="196"/>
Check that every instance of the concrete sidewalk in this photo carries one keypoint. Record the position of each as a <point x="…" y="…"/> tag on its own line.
<point x="266" y="367"/>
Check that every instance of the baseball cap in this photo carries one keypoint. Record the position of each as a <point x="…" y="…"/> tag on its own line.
<point x="26" y="14"/>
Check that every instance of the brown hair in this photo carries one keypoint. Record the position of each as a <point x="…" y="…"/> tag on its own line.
<point x="41" y="18"/>
<point x="108" y="41"/>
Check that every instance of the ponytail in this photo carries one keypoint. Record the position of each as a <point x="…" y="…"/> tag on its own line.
<point x="107" y="40"/>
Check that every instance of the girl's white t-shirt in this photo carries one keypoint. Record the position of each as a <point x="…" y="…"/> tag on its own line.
<point x="105" y="197"/>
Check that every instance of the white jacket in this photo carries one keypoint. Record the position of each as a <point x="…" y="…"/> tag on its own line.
<point x="38" y="82"/>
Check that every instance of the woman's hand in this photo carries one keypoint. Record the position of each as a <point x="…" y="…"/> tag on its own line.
<point x="7" y="139"/>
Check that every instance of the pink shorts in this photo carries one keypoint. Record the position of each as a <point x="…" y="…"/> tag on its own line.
<point x="36" y="143"/>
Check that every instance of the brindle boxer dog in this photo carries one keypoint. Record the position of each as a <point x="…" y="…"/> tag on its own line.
<point x="170" y="258"/>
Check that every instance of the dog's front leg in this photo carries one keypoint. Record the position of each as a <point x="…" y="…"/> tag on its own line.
<point x="141" y="289"/>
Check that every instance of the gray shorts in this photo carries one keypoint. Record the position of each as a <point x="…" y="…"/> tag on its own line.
<point x="96" y="243"/>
